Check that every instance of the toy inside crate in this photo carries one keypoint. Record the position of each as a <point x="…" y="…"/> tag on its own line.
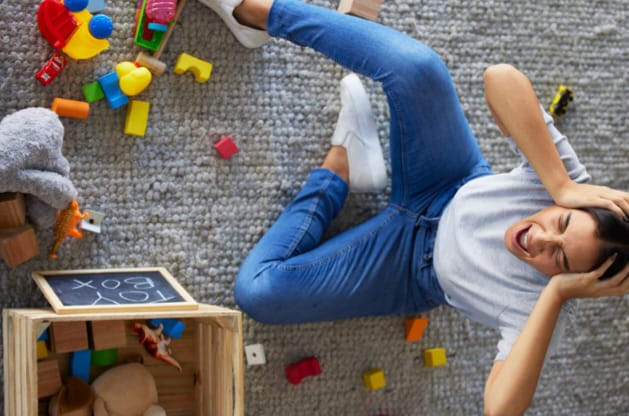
<point x="209" y="350"/>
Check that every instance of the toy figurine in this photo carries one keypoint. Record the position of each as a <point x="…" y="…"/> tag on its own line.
<point x="560" y="103"/>
<point x="155" y="343"/>
<point x="67" y="221"/>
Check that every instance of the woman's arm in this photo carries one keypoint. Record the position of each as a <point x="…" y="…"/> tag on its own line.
<point x="511" y="383"/>
<point x="515" y="107"/>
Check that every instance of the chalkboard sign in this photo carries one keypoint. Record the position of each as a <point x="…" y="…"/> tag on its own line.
<point x="112" y="290"/>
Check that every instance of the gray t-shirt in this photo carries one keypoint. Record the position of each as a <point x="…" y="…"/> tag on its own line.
<point x="479" y="276"/>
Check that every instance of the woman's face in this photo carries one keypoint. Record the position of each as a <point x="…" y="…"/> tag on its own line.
<point x="555" y="240"/>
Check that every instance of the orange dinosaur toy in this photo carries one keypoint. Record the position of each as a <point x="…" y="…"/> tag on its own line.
<point x="66" y="226"/>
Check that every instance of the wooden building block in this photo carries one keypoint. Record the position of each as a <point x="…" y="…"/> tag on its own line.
<point x="12" y="210"/>
<point x="374" y="379"/>
<point x="42" y="350"/>
<point x="434" y="357"/>
<point x="415" y="328"/>
<point x="201" y="69"/>
<point x="105" y="335"/>
<point x="137" y="118"/>
<point x="18" y="245"/>
<point x="367" y="9"/>
<point x="48" y="378"/>
<point x="68" y="336"/>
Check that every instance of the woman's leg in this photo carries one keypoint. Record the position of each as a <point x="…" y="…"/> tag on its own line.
<point x="432" y="146"/>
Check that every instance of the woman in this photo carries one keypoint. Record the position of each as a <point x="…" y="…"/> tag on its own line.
<point x="453" y="233"/>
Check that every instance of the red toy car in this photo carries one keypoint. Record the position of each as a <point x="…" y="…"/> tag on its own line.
<point x="51" y="69"/>
<point x="296" y="372"/>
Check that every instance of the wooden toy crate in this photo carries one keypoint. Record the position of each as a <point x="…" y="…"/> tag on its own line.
<point x="210" y="352"/>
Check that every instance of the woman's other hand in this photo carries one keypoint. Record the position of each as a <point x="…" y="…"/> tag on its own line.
<point x="576" y="195"/>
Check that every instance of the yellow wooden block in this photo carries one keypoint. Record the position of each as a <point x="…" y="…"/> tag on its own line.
<point x="374" y="379"/>
<point x="200" y="68"/>
<point x="137" y="117"/>
<point x="434" y="357"/>
<point x="42" y="350"/>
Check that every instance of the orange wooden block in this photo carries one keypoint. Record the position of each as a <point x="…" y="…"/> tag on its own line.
<point x="68" y="336"/>
<point x="12" y="210"/>
<point x="48" y="378"/>
<point x="415" y="328"/>
<point x="18" y="245"/>
<point x="105" y="335"/>
<point x="71" y="108"/>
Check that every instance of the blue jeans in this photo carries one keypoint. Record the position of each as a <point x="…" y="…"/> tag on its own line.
<point x="383" y="266"/>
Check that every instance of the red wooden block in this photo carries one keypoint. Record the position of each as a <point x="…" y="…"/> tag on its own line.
<point x="226" y="147"/>
<point x="296" y="372"/>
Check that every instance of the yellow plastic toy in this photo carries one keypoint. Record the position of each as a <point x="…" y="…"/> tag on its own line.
<point x="66" y="226"/>
<point x="434" y="357"/>
<point x="82" y="44"/>
<point x="374" y="379"/>
<point x="137" y="117"/>
<point x="133" y="79"/>
<point x="200" y="68"/>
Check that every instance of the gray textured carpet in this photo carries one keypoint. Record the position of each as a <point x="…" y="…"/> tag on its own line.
<point x="170" y="201"/>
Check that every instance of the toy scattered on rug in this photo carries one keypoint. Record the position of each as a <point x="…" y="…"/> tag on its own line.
<point x="560" y="102"/>
<point x="156" y="343"/>
<point x="31" y="163"/>
<point x="125" y="390"/>
<point x="67" y="224"/>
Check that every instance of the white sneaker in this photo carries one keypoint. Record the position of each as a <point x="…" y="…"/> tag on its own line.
<point x="356" y="131"/>
<point x="249" y="37"/>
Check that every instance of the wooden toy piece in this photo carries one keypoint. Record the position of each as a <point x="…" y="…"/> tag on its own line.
<point x="374" y="379"/>
<point x="367" y="9"/>
<point x="434" y="357"/>
<point x="200" y="68"/>
<point x="137" y="118"/>
<point x="171" y="327"/>
<point x="114" y="96"/>
<point x="17" y="245"/>
<point x="226" y="147"/>
<point x="93" y="92"/>
<point x="51" y="69"/>
<point x="415" y="328"/>
<point x="71" y="108"/>
<point x="153" y="64"/>
<point x="42" y="350"/>
<point x="307" y="367"/>
<point x="105" y="358"/>
<point x="93" y="221"/>
<point x="12" y="210"/>
<point x="48" y="378"/>
<point x="107" y="334"/>
<point x="68" y="336"/>
<point x="80" y="364"/>
<point x="255" y="354"/>
<point x="66" y="226"/>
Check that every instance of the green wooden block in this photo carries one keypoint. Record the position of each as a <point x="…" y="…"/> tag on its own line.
<point x="105" y="357"/>
<point x="93" y="92"/>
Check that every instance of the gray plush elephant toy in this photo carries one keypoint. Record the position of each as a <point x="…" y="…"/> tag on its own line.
<point x="31" y="163"/>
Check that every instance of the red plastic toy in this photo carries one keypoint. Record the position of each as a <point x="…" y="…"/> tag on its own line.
<point x="56" y="23"/>
<point x="51" y="69"/>
<point x="296" y="372"/>
<point x="226" y="147"/>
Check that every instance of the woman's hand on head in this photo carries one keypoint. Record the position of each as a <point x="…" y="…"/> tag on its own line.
<point x="588" y="285"/>
<point x="577" y="195"/>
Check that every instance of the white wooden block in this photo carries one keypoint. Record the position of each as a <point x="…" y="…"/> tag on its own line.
<point x="255" y="354"/>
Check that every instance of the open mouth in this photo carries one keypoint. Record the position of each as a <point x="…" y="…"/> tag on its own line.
<point x="521" y="239"/>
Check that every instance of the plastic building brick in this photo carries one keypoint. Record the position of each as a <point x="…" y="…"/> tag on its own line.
<point x="200" y="68"/>
<point x="48" y="378"/>
<point x="71" y="108"/>
<point x="171" y="327"/>
<point x="154" y="65"/>
<point x="12" y="210"/>
<point x="56" y="23"/>
<point x="51" y="69"/>
<point x="18" y="245"/>
<point x="114" y="96"/>
<point x="137" y="117"/>
<point x="93" y="222"/>
<point x="105" y="358"/>
<point x="434" y="357"/>
<point x="93" y="92"/>
<point x="255" y="354"/>
<point x="66" y="226"/>
<point x="80" y="364"/>
<point x="415" y="328"/>
<point x="161" y="11"/>
<point x="226" y="147"/>
<point x="560" y="102"/>
<point x="132" y="78"/>
<point x="374" y="379"/>
<point x="42" y="350"/>
<point x="307" y="367"/>
<point x="367" y="9"/>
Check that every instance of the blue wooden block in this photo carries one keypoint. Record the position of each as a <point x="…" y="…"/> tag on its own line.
<point x="111" y="87"/>
<point x="96" y="6"/>
<point x="80" y="364"/>
<point x="172" y="327"/>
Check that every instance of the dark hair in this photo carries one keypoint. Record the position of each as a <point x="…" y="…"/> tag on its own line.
<point x="613" y="231"/>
